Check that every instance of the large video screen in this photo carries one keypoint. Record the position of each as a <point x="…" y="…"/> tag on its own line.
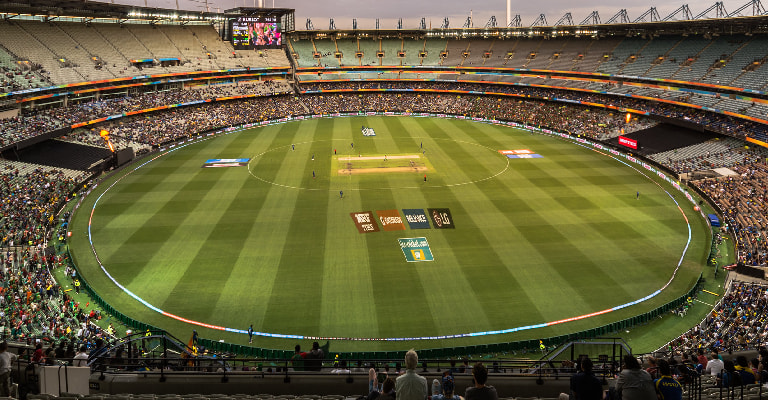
<point x="255" y="33"/>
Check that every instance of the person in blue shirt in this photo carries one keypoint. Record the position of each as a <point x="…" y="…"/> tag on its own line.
<point x="448" y="387"/>
<point x="745" y="371"/>
<point x="667" y="387"/>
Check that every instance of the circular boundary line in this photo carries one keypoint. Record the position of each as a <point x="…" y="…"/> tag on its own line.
<point x="506" y="167"/>
<point x="389" y="339"/>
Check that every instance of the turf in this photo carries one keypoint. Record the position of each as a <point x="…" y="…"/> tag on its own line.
<point x="535" y="240"/>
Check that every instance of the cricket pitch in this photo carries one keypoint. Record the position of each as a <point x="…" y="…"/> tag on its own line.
<point x="382" y="164"/>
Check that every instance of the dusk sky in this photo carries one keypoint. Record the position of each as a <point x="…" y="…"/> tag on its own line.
<point x="366" y="11"/>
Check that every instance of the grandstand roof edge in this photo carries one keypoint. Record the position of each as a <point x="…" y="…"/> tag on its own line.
<point x="90" y="9"/>
<point x="741" y="24"/>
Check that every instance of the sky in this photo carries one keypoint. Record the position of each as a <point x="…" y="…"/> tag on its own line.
<point x="434" y="11"/>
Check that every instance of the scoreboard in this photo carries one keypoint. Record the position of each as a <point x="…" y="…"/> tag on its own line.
<point x="256" y="32"/>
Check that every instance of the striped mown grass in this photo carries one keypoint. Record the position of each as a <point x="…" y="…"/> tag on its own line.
<point x="273" y="244"/>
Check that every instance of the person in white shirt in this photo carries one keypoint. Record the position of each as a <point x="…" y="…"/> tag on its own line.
<point x="715" y="365"/>
<point x="81" y="358"/>
<point x="6" y="361"/>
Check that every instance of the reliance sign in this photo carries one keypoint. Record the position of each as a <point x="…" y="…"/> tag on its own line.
<point x="625" y="141"/>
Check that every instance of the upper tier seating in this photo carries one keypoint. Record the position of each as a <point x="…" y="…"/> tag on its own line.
<point x="15" y="76"/>
<point x="76" y="52"/>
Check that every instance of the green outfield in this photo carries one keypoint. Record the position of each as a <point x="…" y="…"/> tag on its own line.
<point x="304" y="239"/>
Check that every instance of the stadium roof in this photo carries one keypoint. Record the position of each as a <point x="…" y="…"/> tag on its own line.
<point x="97" y="9"/>
<point x="679" y="22"/>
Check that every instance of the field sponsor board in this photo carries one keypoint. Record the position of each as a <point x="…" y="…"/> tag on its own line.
<point x="225" y="162"/>
<point x="441" y="218"/>
<point x="532" y="155"/>
<point x="522" y="151"/>
<point x="416" y="218"/>
<point x="390" y="220"/>
<point x="365" y="221"/>
<point x="625" y="141"/>
<point x="416" y="249"/>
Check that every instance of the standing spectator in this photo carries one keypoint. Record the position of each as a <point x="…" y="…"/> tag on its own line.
<point x="585" y="385"/>
<point x="6" y="360"/>
<point x="714" y="365"/>
<point x="667" y="388"/>
<point x="634" y="383"/>
<point x="480" y="391"/>
<point x="411" y="386"/>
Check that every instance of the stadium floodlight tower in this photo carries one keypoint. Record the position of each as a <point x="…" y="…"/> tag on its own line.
<point x="509" y="12"/>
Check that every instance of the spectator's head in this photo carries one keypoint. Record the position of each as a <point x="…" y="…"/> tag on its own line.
<point x="3" y="346"/>
<point x="664" y="368"/>
<point x="585" y="364"/>
<point x="713" y="356"/>
<point x="448" y="386"/>
<point x="435" y="387"/>
<point x="630" y="362"/>
<point x="389" y="386"/>
<point x="729" y="366"/>
<point x="411" y="359"/>
<point x="297" y="349"/>
<point x="741" y="361"/>
<point x="315" y="346"/>
<point x="480" y="373"/>
<point x="83" y="349"/>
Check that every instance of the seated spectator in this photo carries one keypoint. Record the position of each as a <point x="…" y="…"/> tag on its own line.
<point x="744" y="370"/>
<point x="388" y="390"/>
<point x="447" y="390"/>
<point x="81" y="358"/>
<point x="584" y="384"/>
<point x="480" y="391"/>
<point x="667" y="388"/>
<point x="634" y="383"/>
<point x="729" y="377"/>
<point x="314" y="359"/>
<point x="38" y="356"/>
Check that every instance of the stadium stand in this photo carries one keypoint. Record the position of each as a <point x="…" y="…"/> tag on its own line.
<point x="719" y="47"/>
<point x="579" y="121"/>
<point x="37" y="54"/>
<point x="433" y="47"/>
<point x="682" y="53"/>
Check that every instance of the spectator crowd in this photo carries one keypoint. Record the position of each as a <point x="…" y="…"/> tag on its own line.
<point x="31" y="303"/>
